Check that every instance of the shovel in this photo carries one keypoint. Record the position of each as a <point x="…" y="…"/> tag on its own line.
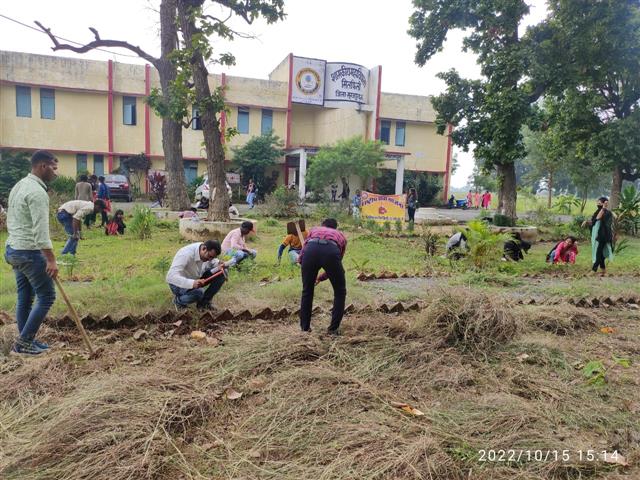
<point x="75" y="317"/>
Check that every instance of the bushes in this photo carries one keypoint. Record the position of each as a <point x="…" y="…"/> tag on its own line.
<point x="485" y="247"/>
<point x="14" y="166"/>
<point x="143" y="222"/>
<point x="502" y="220"/>
<point x="282" y="203"/>
<point x="64" y="186"/>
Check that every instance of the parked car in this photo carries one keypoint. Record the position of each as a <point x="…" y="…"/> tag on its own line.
<point x="119" y="187"/>
<point x="203" y="188"/>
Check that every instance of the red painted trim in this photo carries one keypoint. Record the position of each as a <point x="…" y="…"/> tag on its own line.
<point x="447" y="173"/>
<point x="110" y="116"/>
<point x="223" y="115"/>
<point x="147" y="110"/>
<point x="289" y="113"/>
<point x="377" y="135"/>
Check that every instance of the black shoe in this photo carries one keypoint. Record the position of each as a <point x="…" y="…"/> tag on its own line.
<point x="333" y="333"/>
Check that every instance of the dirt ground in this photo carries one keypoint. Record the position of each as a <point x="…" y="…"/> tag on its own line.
<point x="471" y="387"/>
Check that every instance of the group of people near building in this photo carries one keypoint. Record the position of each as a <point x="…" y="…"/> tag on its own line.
<point x="197" y="274"/>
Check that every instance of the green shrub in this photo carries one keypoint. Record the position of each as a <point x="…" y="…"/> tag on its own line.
<point x="371" y="225"/>
<point x="502" y="220"/>
<point x="64" y="186"/>
<point x="162" y="265"/>
<point x="565" y="203"/>
<point x="143" y="222"/>
<point x="485" y="246"/>
<point x="387" y="226"/>
<point x="628" y="212"/>
<point x="282" y="203"/>
<point x="398" y="226"/>
<point x="191" y="188"/>
<point x="332" y="210"/>
<point x="13" y="167"/>
<point x="270" y="222"/>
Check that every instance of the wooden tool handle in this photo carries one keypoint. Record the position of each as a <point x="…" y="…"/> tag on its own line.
<point x="75" y="316"/>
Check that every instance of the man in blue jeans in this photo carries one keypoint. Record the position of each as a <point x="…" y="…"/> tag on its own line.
<point x="71" y="214"/>
<point x="30" y="252"/>
<point x="189" y="270"/>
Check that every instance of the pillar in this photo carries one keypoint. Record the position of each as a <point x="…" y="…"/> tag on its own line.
<point x="400" y="175"/>
<point x="303" y="172"/>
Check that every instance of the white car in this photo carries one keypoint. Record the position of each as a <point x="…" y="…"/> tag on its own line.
<point x="203" y="189"/>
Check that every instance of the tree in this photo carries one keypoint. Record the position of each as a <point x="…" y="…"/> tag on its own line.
<point x="192" y="82"/>
<point x="480" y="179"/>
<point x="171" y="128"/>
<point x="589" y="56"/>
<point x="256" y="156"/>
<point x="13" y="166"/>
<point x="138" y="166"/>
<point x="353" y="156"/>
<point x="489" y="112"/>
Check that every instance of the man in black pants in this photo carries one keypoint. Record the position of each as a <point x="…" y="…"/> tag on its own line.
<point x="323" y="249"/>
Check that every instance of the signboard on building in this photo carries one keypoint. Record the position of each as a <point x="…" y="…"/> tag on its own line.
<point x="308" y="81"/>
<point x="345" y="83"/>
<point x="382" y="208"/>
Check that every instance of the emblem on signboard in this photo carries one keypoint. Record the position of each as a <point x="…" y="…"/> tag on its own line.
<point x="308" y="81"/>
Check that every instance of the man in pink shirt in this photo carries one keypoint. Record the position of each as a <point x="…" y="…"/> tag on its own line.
<point x="234" y="243"/>
<point x="323" y="249"/>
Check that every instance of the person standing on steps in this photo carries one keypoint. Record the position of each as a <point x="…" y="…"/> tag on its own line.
<point x="29" y="251"/>
<point x="601" y="224"/>
<point x="323" y="249"/>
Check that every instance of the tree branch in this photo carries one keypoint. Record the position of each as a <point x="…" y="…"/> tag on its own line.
<point x="232" y="31"/>
<point x="97" y="43"/>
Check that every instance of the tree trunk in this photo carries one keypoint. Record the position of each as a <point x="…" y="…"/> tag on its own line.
<point x="616" y="187"/>
<point x="507" y="174"/>
<point x="219" y="204"/>
<point x="177" y="196"/>
<point x="550" y="189"/>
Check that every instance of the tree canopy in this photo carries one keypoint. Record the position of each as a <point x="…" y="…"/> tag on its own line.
<point x="353" y="156"/>
<point x="254" y="157"/>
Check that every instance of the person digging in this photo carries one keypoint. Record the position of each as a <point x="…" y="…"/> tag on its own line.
<point x="323" y="249"/>
<point x="192" y="269"/>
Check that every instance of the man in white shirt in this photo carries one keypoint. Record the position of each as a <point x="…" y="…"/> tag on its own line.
<point x="71" y="214"/>
<point x="190" y="268"/>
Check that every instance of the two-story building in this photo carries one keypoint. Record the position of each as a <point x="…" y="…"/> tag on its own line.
<point x="91" y="114"/>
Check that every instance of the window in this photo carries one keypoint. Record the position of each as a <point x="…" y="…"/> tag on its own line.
<point x="190" y="170"/>
<point x="196" y="122"/>
<point x="385" y="131"/>
<point x="400" y="133"/>
<point x="23" y="101"/>
<point x="129" y="110"/>
<point x="48" y="103"/>
<point x="81" y="163"/>
<point x="243" y="120"/>
<point x="98" y="164"/>
<point x="267" y="121"/>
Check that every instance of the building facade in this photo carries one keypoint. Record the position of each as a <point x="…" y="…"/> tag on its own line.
<point x="92" y="114"/>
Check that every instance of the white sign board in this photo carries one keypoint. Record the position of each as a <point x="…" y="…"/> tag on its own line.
<point x="233" y="178"/>
<point x="346" y="83"/>
<point x="308" y="81"/>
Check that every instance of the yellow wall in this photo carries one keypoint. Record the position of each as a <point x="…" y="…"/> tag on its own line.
<point x="128" y="138"/>
<point x="427" y="150"/>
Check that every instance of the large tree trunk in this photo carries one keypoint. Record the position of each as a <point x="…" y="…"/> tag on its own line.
<point x="177" y="196"/>
<point x="616" y="187"/>
<point x="219" y="204"/>
<point x="507" y="176"/>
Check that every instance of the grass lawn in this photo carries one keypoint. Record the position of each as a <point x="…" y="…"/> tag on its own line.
<point x="119" y="275"/>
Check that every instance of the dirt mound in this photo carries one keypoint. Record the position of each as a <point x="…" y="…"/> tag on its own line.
<point x="562" y="319"/>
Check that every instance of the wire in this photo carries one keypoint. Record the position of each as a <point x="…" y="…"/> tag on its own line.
<point x="65" y="39"/>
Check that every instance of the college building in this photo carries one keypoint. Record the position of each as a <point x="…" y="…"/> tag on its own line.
<point x="91" y="114"/>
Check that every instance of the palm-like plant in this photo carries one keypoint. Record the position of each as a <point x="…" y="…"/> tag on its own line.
<point x="565" y="203"/>
<point x="485" y="246"/>
<point x="628" y="211"/>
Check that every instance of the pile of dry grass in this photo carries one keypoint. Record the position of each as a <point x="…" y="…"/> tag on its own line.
<point x="469" y="320"/>
<point x="561" y="319"/>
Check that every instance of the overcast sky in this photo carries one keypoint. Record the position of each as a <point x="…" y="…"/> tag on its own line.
<point x="368" y="32"/>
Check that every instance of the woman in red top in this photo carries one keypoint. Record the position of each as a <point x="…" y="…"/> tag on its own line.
<point x="566" y="251"/>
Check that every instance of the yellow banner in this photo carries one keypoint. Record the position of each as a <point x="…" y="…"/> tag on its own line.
<point x="382" y="208"/>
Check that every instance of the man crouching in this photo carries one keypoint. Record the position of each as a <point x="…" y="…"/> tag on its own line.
<point x="190" y="270"/>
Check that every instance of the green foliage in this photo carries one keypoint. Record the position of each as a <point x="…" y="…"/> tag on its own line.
<point x="142" y="223"/>
<point x="328" y="209"/>
<point x="565" y="203"/>
<point x="594" y="371"/>
<point x="282" y="203"/>
<point x="427" y="185"/>
<point x="270" y="222"/>
<point x="353" y="156"/>
<point x="502" y="220"/>
<point x="64" y="186"/>
<point x="485" y="246"/>
<point x="620" y="246"/>
<point x="162" y="265"/>
<point x="255" y="156"/>
<point x="137" y="167"/>
<point x="410" y="227"/>
<point x="13" y="167"/>
<point x="192" y="187"/>
<point x="628" y="212"/>
<point x="398" y="226"/>
<point x="371" y="225"/>
<point x="69" y="262"/>
<point x="387" y="226"/>
<point x="430" y="240"/>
